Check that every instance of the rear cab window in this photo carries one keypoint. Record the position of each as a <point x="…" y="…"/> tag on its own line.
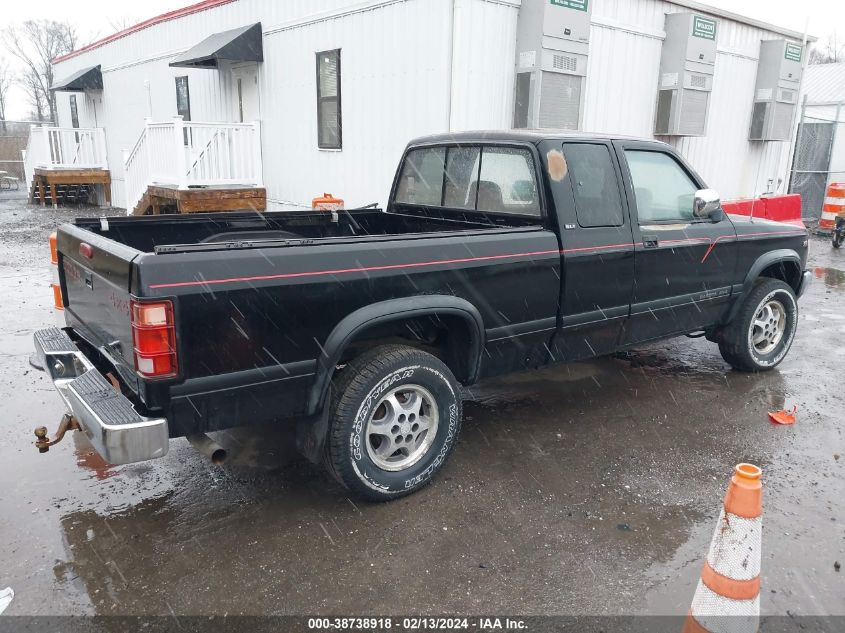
<point x="486" y="179"/>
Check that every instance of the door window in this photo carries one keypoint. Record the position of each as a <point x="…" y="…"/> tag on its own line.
<point x="74" y="112"/>
<point x="183" y="104"/>
<point x="663" y="190"/>
<point x="594" y="184"/>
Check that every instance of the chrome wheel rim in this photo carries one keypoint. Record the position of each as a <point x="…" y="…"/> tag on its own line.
<point x="768" y="327"/>
<point x="402" y="427"/>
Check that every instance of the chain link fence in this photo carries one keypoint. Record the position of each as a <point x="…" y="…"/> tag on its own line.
<point x="819" y="156"/>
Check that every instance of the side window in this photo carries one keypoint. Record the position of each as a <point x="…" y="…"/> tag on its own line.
<point x="663" y="189"/>
<point x="329" y="122"/>
<point x="595" y="185"/>
<point x="507" y="183"/>
<point x="421" y="181"/>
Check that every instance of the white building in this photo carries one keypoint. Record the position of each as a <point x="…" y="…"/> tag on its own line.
<point x="380" y="72"/>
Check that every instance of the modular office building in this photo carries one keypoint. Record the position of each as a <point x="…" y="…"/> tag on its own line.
<point x="303" y="97"/>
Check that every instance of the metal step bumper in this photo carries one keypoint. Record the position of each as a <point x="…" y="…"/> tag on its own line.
<point x="118" y="432"/>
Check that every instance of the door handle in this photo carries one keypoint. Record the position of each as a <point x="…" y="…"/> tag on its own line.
<point x="650" y="241"/>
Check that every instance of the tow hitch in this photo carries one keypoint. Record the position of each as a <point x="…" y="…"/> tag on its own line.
<point x="43" y="444"/>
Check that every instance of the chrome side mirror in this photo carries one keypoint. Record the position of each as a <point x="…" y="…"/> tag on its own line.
<point x="707" y="204"/>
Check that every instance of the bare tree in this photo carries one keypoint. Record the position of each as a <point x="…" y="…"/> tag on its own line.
<point x="29" y="81"/>
<point x="123" y="23"/>
<point x="5" y="84"/>
<point x="36" y="43"/>
<point x="831" y="51"/>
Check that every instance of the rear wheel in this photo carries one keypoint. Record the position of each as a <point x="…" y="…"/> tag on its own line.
<point x="396" y="417"/>
<point x="761" y="335"/>
<point x="838" y="237"/>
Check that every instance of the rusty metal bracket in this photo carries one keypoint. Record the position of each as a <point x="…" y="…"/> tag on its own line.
<point x="43" y="444"/>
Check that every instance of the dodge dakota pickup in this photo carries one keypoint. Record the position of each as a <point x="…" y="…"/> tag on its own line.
<point x="497" y="252"/>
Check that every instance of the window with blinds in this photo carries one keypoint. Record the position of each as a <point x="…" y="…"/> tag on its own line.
<point x="329" y="128"/>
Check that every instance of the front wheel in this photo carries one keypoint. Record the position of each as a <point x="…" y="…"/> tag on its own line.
<point x="395" y="419"/>
<point x="762" y="332"/>
<point x="838" y="236"/>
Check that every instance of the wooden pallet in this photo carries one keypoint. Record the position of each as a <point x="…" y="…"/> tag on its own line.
<point x="160" y="199"/>
<point x="68" y="186"/>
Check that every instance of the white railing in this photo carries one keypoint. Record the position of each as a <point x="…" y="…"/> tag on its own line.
<point x="182" y="154"/>
<point x="64" y="148"/>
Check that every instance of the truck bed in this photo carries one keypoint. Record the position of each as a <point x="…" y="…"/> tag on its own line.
<point x="257" y="296"/>
<point x="164" y="234"/>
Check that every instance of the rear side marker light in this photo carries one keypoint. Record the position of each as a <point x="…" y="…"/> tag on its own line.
<point x="58" y="302"/>
<point x="54" y="251"/>
<point x="57" y="297"/>
<point x="86" y="250"/>
<point x="154" y="339"/>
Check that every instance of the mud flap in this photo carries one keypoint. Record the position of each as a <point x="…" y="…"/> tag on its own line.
<point x="311" y="435"/>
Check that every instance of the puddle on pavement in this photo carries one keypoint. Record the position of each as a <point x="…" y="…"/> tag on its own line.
<point x="831" y="277"/>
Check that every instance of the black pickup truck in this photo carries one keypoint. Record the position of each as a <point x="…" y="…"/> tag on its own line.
<point x="497" y="252"/>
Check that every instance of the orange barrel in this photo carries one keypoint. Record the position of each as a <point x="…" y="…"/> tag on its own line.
<point x="327" y="203"/>
<point x="834" y="204"/>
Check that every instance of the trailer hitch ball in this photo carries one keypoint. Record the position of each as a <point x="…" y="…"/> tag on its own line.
<point x="43" y="443"/>
<point x="59" y="368"/>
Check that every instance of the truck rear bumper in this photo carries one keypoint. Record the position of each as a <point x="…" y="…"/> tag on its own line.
<point x="116" y="430"/>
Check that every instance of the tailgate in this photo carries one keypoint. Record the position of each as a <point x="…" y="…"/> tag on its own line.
<point x="96" y="276"/>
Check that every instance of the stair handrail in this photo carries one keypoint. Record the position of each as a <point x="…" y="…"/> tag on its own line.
<point x="203" y="152"/>
<point x="136" y="169"/>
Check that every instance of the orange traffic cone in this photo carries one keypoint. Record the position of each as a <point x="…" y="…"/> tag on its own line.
<point x="727" y="599"/>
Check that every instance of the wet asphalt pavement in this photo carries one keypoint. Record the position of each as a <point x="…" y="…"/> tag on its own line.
<point x="591" y="488"/>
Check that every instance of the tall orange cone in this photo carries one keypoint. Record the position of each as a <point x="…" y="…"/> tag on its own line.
<point x="727" y="599"/>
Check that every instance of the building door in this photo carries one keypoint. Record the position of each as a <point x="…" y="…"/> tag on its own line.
<point x="245" y="93"/>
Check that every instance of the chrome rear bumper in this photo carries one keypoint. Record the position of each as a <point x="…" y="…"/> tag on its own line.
<point x="118" y="432"/>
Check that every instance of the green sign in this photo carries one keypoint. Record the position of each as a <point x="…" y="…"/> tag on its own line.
<point x="793" y="52"/>
<point x="704" y="27"/>
<point x="578" y="5"/>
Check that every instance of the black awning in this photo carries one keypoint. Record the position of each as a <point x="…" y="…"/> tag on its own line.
<point x="238" y="45"/>
<point x="85" y="79"/>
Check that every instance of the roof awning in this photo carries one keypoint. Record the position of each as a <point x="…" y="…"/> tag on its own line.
<point x="85" y="79"/>
<point x="238" y="45"/>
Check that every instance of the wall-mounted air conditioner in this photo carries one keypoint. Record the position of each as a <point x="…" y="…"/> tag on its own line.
<point x="776" y="90"/>
<point x="553" y="40"/>
<point x="686" y="75"/>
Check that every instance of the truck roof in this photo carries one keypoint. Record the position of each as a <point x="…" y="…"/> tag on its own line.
<point x="521" y="136"/>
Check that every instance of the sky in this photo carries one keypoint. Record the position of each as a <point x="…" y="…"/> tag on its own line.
<point x="98" y="18"/>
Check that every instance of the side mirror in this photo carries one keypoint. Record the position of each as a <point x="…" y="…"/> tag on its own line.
<point x="707" y="204"/>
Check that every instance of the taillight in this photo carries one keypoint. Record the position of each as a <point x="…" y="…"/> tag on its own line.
<point x="154" y="338"/>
